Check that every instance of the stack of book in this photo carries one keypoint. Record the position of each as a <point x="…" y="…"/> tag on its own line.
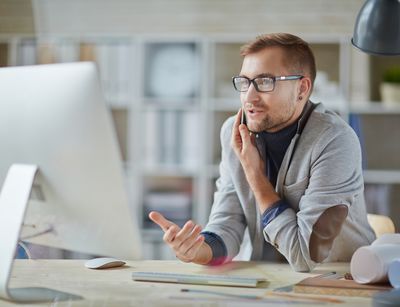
<point x="171" y="139"/>
<point x="116" y="71"/>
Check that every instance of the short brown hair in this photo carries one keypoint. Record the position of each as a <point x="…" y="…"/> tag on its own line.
<point x="299" y="56"/>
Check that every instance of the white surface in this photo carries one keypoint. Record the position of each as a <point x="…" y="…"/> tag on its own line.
<point x="54" y="116"/>
<point x="103" y="263"/>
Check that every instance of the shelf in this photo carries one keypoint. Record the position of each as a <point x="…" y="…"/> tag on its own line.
<point x="170" y="104"/>
<point x="382" y="176"/>
<point x="169" y="171"/>
<point x="228" y="104"/>
<point x="374" y="108"/>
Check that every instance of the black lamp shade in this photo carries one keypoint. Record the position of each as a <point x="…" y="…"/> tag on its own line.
<point x="377" y="29"/>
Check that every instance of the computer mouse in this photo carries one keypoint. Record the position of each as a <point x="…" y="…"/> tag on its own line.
<point x="103" y="263"/>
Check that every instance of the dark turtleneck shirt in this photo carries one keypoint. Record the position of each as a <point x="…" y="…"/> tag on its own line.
<point x="276" y="146"/>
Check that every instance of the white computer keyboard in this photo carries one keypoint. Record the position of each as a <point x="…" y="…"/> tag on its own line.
<point x="202" y="279"/>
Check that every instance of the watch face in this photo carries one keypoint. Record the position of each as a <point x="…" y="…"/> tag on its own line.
<point x="173" y="70"/>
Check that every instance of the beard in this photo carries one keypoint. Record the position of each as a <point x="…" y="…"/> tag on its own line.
<point x="260" y="126"/>
<point x="273" y="121"/>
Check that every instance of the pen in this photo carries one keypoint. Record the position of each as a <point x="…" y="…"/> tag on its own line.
<point x="326" y="275"/>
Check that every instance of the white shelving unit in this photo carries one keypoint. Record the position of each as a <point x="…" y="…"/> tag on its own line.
<point x="149" y="117"/>
<point x="382" y="176"/>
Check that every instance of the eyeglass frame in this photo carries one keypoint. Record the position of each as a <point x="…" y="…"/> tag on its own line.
<point x="274" y="79"/>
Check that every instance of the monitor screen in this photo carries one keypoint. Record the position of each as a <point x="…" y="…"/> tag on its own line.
<point x="54" y="116"/>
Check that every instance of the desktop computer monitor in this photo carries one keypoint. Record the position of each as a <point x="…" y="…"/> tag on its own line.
<point x="54" y="117"/>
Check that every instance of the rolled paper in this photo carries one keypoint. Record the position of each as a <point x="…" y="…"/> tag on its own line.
<point x="369" y="264"/>
<point x="388" y="238"/>
<point x="394" y="273"/>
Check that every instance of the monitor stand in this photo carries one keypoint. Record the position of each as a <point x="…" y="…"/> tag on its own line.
<point x="14" y="198"/>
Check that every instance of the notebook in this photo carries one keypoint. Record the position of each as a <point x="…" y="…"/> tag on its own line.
<point x="200" y="279"/>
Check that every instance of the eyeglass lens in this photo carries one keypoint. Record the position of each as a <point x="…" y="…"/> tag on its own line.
<point x="263" y="84"/>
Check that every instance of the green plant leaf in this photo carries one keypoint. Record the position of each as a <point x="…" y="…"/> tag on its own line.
<point x="392" y="75"/>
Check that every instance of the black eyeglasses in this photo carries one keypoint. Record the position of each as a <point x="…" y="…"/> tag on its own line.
<point x="261" y="84"/>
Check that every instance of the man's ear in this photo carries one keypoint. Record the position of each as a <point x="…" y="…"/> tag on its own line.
<point x="305" y="88"/>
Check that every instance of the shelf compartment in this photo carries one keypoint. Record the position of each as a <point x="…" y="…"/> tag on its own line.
<point x="120" y="121"/>
<point x="327" y="86"/>
<point x="384" y="199"/>
<point x="171" y="140"/>
<point x="171" y="196"/>
<point x="379" y="138"/>
<point x="219" y="117"/>
<point x="378" y="66"/>
<point x="27" y="52"/>
<point x="3" y="54"/>
<point x="172" y="70"/>
<point x="117" y="70"/>
<point x="227" y="62"/>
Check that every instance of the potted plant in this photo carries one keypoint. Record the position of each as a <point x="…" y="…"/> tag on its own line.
<point x="390" y="88"/>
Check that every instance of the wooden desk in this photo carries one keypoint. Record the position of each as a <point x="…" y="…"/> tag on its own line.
<point x="114" y="287"/>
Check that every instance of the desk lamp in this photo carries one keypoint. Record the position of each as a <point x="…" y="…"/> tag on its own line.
<point x="377" y="28"/>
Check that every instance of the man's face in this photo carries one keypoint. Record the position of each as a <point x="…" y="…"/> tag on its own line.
<point x="270" y="111"/>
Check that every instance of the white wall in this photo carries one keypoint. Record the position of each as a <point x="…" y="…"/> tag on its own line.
<point x="75" y="17"/>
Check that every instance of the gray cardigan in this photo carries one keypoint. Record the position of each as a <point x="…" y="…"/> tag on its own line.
<point x="321" y="169"/>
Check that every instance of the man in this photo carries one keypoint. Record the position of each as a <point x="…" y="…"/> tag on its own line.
<point x="292" y="176"/>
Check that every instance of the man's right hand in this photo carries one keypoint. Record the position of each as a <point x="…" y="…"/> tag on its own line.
<point x="186" y="242"/>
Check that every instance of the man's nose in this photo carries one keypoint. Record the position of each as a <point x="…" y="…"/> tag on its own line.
<point x="252" y="94"/>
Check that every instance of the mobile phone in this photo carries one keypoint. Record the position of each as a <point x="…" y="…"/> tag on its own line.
<point x="243" y="118"/>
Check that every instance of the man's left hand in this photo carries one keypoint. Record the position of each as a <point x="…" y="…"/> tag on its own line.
<point x="243" y="143"/>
